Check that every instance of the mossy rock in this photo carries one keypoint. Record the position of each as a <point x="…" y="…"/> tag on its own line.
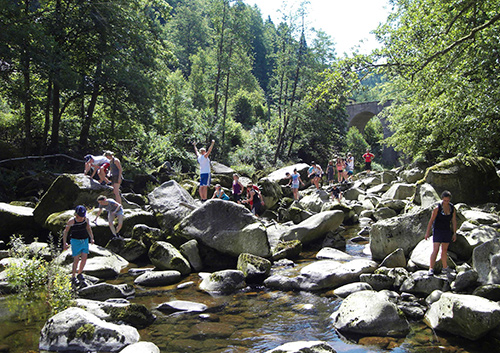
<point x="255" y="268"/>
<point x="287" y="250"/>
<point x="136" y="315"/>
<point x="472" y="180"/>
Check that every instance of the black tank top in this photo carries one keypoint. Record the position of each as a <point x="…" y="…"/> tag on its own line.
<point x="442" y="220"/>
<point x="79" y="230"/>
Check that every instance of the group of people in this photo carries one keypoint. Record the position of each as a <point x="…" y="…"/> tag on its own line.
<point x="78" y="230"/>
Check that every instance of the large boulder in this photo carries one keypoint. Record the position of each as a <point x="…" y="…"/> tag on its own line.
<point x="425" y="195"/>
<point x="190" y="251"/>
<point x="471" y="180"/>
<point x="370" y="313"/>
<point x="400" y="191"/>
<point x="254" y="268"/>
<point x="314" y="202"/>
<point x="166" y="257"/>
<point x="15" y="219"/>
<point x="464" y="315"/>
<point x="104" y="291"/>
<point x="171" y="203"/>
<point x="158" y="278"/>
<point x="78" y="330"/>
<point x="421" y="283"/>
<point x="403" y="232"/>
<point x="324" y="274"/>
<point x="304" y="347"/>
<point x="413" y="175"/>
<point x="271" y="192"/>
<point x="101" y="262"/>
<point x="225" y="281"/>
<point x="70" y="190"/>
<point x="227" y="227"/>
<point x="486" y="261"/>
<point x="480" y="217"/>
<point x="314" y="227"/>
<point x="279" y="175"/>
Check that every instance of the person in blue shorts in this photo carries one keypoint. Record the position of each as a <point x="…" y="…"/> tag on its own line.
<point x="78" y="228"/>
<point x="202" y="156"/>
<point x="442" y="219"/>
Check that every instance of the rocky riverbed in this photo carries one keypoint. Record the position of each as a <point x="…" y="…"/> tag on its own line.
<point x="216" y="279"/>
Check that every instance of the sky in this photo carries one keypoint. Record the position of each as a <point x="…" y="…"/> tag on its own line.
<point x="347" y="21"/>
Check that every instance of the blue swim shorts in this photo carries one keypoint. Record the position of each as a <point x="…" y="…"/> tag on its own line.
<point x="205" y="179"/>
<point x="79" y="246"/>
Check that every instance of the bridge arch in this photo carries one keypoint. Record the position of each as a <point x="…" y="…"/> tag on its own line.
<point x="361" y="113"/>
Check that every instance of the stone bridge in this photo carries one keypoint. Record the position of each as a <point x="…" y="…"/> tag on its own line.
<point x="359" y="115"/>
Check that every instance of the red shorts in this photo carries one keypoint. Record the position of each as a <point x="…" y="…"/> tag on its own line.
<point x="104" y="166"/>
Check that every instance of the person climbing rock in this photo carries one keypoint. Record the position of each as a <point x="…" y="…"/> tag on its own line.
<point x="115" y="210"/>
<point x="100" y="165"/>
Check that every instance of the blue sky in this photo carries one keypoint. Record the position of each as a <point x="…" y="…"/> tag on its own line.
<point x="347" y="21"/>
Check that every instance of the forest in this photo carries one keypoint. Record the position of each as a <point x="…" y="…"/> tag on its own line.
<point x="147" y="78"/>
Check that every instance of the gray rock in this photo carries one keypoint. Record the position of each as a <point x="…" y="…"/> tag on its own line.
<point x="335" y="239"/>
<point x="398" y="274"/>
<point x="421" y="283"/>
<point x="227" y="227"/>
<point x="219" y="168"/>
<point x="287" y="250"/>
<point x="158" y="278"/>
<point x="129" y="249"/>
<point x="388" y="176"/>
<point x="353" y="193"/>
<point x="464" y="280"/>
<point x="183" y="306"/>
<point x="411" y="176"/>
<point x="400" y="191"/>
<point x="371" y="181"/>
<point x="333" y="254"/>
<point x="314" y="202"/>
<point x="396" y="205"/>
<point x="481" y="217"/>
<point x="404" y="231"/>
<point x="304" y="347"/>
<point x="171" y="203"/>
<point x="103" y="291"/>
<point x="486" y="261"/>
<point x="166" y="257"/>
<point x="377" y="281"/>
<point x="467" y="316"/>
<point x="395" y="259"/>
<point x="101" y="262"/>
<point x="15" y="219"/>
<point x="384" y="213"/>
<point x="433" y="297"/>
<point x="190" y="251"/>
<point x="271" y="192"/>
<point x="314" y="227"/>
<point x="378" y="189"/>
<point x="141" y="347"/>
<point x="254" y="268"/>
<point x="225" y="281"/>
<point x="488" y="291"/>
<point x="413" y="311"/>
<point x="460" y="175"/>
<point x="370" y="313"/>
<point x="77" y="330"/>
<point x="324" y="274"/>
<point x="426" y="196"/>
<point x="461" y="248"/>
<point x="147" y="235"/>
<point x="280" y="174"/>
<point x="347" y="289"/>
<point x="481" y="235"/>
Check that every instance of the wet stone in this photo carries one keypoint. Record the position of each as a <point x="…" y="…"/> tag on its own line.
<point x="206" y="330"/>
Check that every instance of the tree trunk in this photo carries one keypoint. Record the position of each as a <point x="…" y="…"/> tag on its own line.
<point x="84" y="133"/>
<point x="27" y="101"/>
<point x="226" y="94"/>
<point x="219" y="60"/>
<point x="56" y="117"/>
<point x="46" y="125"/>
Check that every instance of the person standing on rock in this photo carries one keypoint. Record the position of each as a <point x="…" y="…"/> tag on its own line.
<point x="79" y="230"/>
<point x="100" y="164"/>
<point x="237" y="188"/>
<point x="254" y="199"/>
<point x="443" y="218"/>
<point x="115" y="210"/>
<point x="340" y="169"/>
<point x="295" y="180"/>
<point x="349" y="166"/>
<point x="368" y="160"/>
<point x="315" y="173"/>
<point x="115" y="169"/>
<point x="330" y="173"/>
<point x="202" y="156"/>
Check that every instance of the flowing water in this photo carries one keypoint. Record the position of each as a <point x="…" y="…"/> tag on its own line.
<point x="253" y="320"/>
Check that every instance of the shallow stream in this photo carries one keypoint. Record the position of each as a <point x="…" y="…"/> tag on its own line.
<point x="254" y="320"/>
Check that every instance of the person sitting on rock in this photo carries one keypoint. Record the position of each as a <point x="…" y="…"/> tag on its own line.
<point x="100" y="165"/>
<point x="115" y="210"/>
<point x="442" y="216"/>
<point x="295" y="180"/>
<point x="336" y="194"/>
<point x="79" y="230"/>
<point x="219" y="193"/>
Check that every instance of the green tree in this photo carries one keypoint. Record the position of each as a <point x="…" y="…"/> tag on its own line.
<point x="441" y="60"/>
<point x="356" y="145"/>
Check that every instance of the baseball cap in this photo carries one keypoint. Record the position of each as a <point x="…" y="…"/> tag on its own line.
<point x="88" y="158"/>
<point x="81" y="210"/>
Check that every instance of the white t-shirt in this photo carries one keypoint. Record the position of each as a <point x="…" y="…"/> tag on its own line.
<point x="350" y="163"/>
<point x="100" y="160"/>
<point x="204" y="164"/>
